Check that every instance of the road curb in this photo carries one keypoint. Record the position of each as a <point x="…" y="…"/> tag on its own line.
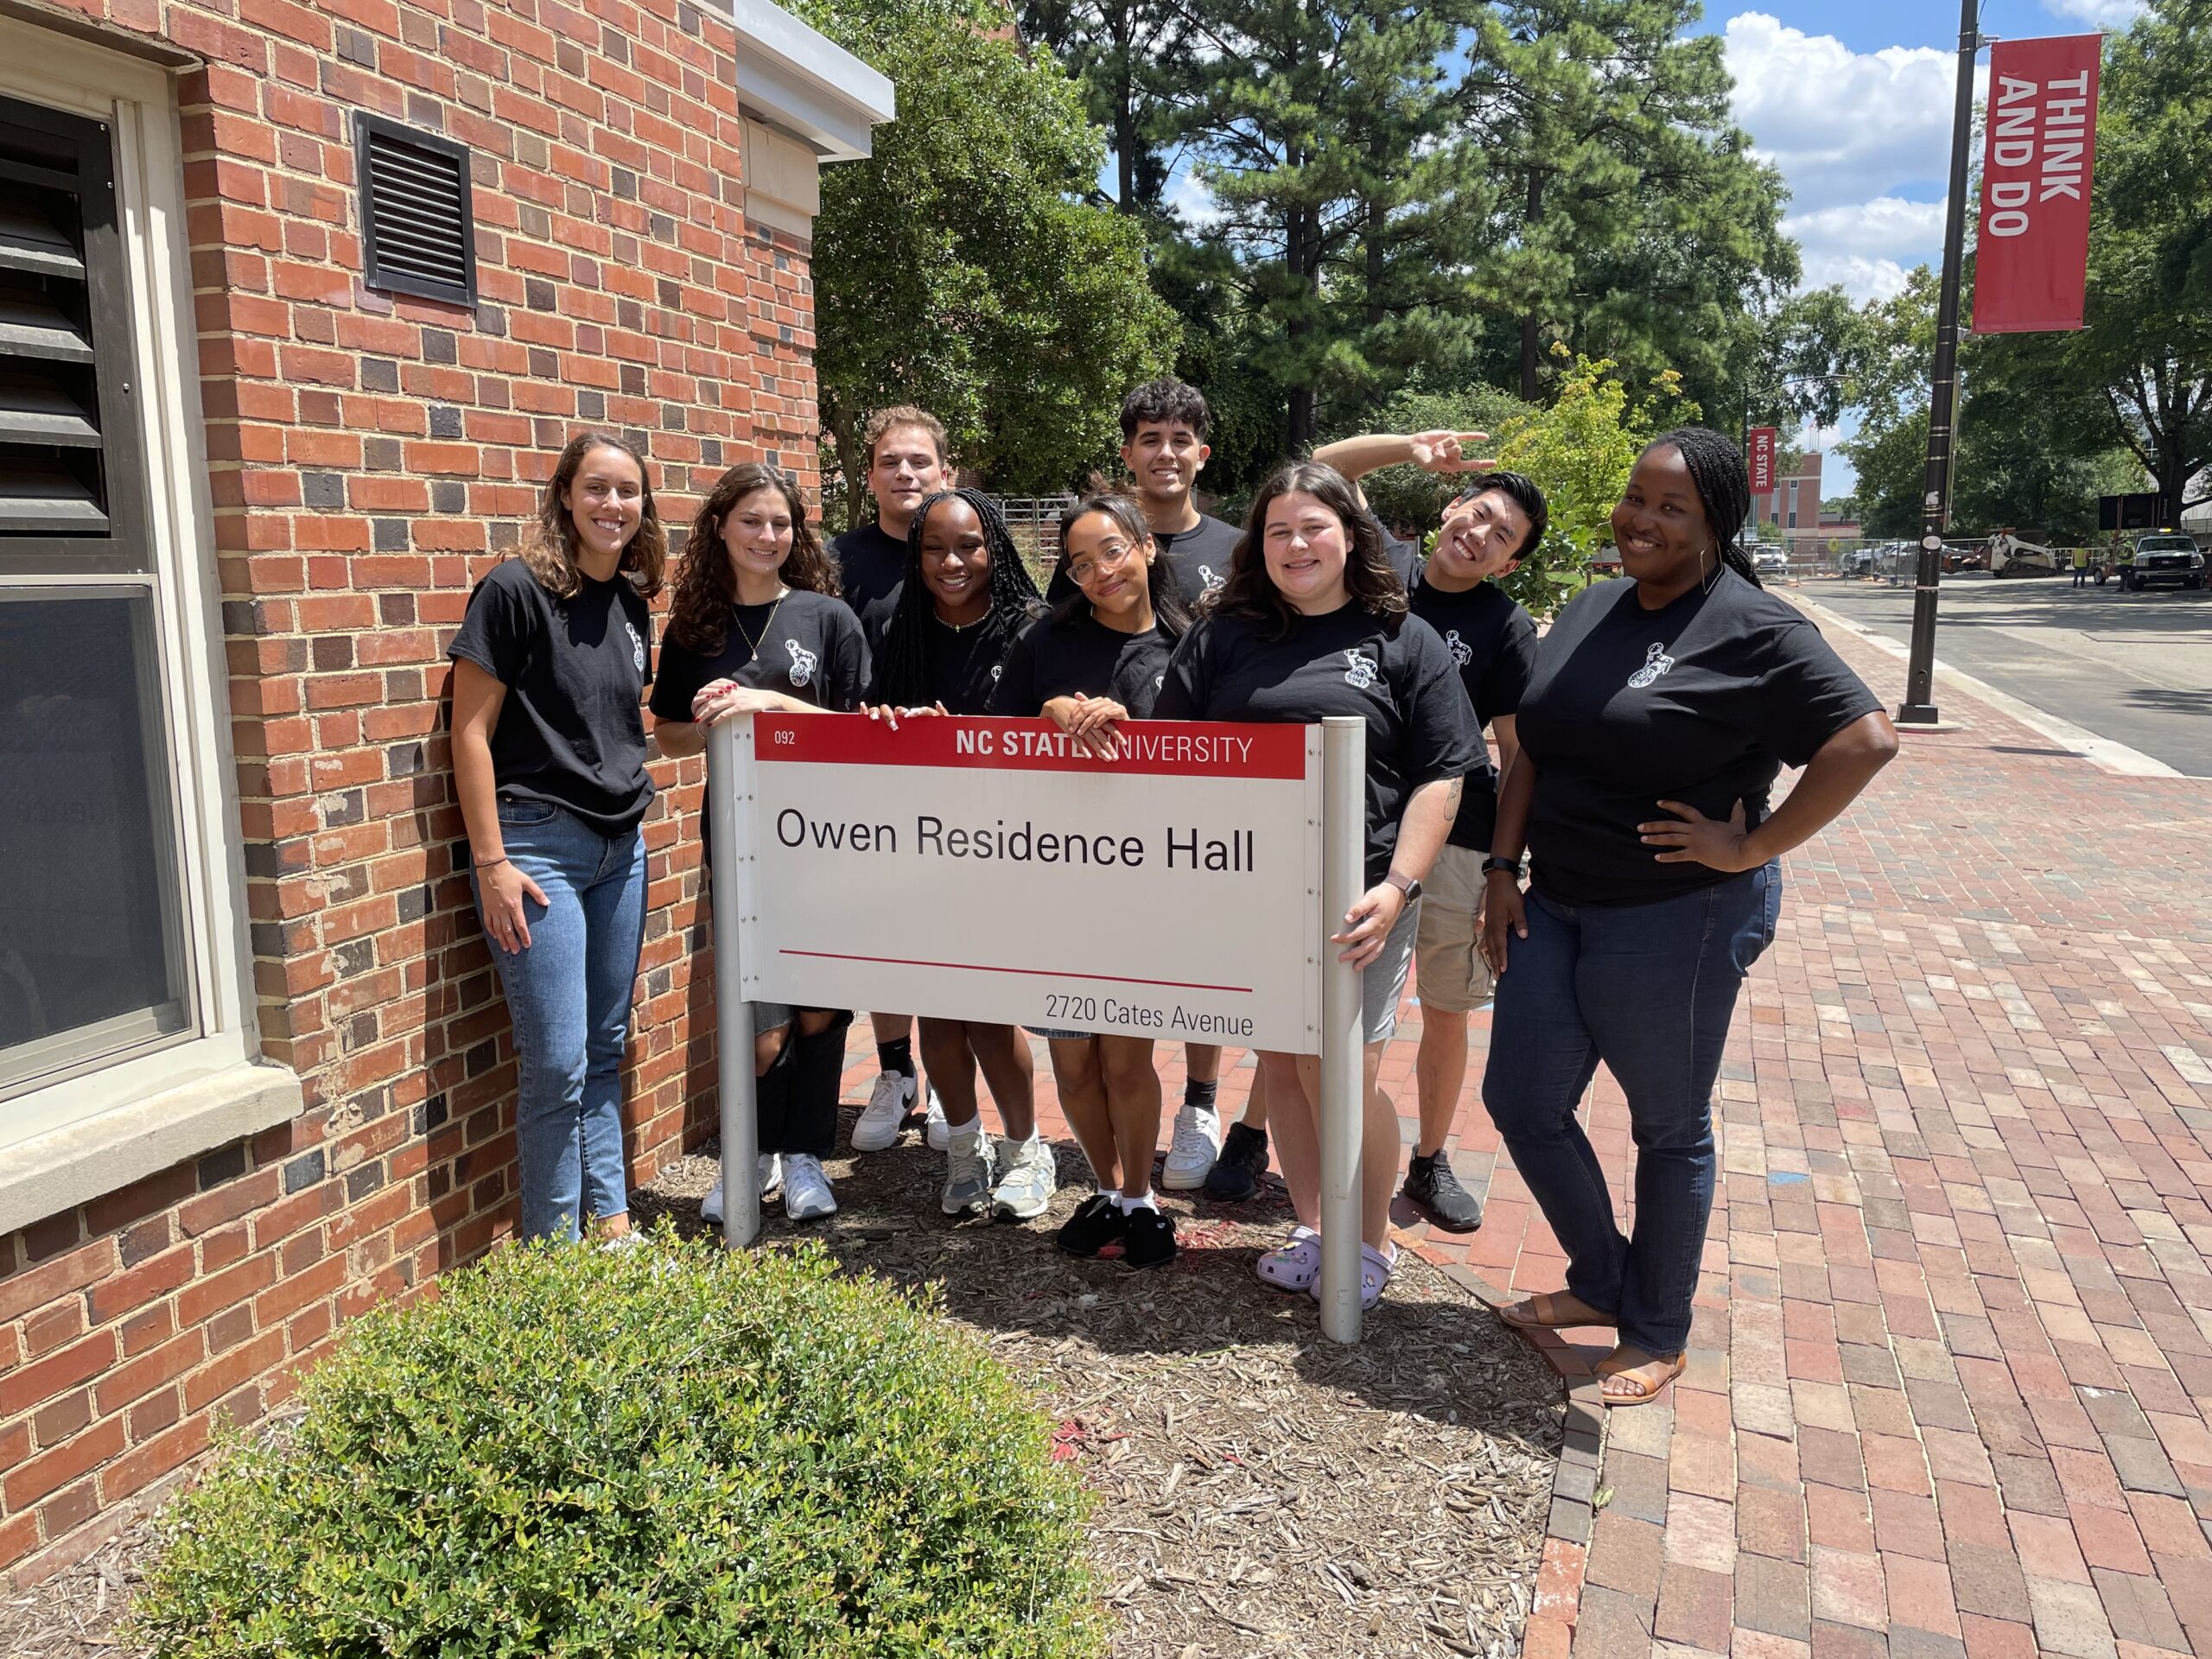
<point x="2102" y="753"/>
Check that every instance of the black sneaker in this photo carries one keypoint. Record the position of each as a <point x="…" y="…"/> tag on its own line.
<point x="1235" y="1174"/>
<point x="1433" y="1189"/>
<point x="1097" y="1222"/>
<point x="1149" y="1240"/>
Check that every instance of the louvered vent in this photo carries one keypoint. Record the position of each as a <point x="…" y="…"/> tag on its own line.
<point x="56" y="200"/>
<point x="416" y="219"/>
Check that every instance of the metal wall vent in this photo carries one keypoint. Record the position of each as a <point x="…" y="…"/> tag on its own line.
<point x="418" y="228"/>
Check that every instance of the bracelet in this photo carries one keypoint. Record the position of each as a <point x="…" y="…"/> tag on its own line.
<point x="486" y="863"/>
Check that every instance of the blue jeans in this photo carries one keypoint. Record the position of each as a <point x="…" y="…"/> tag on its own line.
<point x="1649" y="989"/>
<point x="568" y="998"/>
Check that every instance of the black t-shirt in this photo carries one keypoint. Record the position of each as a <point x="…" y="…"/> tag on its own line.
<point x="1405" y="557"/>
<point x="810" y="649"/>
<point x="1197" y="558"/>
<point x="1493" y="642"/>
<point x="570" y="731"/>
<point x="1059" y="659"/>
<point x="869" y="565"/>
<point x="1702" y="701"/>
<point x="1398" y="678"/>
<point x="964" y="668"/>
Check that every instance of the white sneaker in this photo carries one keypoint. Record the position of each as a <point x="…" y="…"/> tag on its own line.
<point x="771" y="1176"/>
<point x="888" y="1109"/>
<point x="806" y="1189"/>
<point x="935" y="1130"/>
<point x="1029" y="1178"/>
<point x="970" y="1173"/>
<point x="1197" y="1144"/>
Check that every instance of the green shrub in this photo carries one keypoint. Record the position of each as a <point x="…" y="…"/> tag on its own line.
<point x="668" y="1451"/>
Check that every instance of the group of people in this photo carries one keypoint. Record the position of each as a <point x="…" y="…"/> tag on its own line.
<point x="1636" y="742"/>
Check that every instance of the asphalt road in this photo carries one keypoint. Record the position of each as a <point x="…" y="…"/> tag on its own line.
<point x="2135" y="667"/>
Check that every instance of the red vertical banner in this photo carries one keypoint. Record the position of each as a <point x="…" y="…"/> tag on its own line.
<point x="2031" y="261"/>
<point x="1761" y="440"/>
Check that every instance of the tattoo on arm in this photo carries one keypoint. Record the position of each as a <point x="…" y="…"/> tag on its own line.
<point x="1452" y="791"/>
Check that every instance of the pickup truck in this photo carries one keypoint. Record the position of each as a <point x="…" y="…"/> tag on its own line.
<point x="2166" y="557"/>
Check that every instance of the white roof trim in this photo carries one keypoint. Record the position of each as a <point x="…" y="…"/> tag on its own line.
<point x="793" y="78"/>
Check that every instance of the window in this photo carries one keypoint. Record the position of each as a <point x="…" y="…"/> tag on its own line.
<point x="417" y="222"/>
<point x="92" y="963"/>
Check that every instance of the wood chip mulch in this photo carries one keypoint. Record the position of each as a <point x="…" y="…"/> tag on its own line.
<point x="1260" y="1490"/>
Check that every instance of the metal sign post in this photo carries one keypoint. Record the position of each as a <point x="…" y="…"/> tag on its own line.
<point x="733" y="1014"/>
<point x="1343" y="1115"/>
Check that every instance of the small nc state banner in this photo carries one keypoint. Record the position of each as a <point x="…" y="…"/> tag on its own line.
<point x="2032" y="263"/>
<point x="1760" y="460"/>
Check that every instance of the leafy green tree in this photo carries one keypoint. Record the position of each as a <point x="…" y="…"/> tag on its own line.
<point x="1634" y="223"/>
<point x="1328" y="133"/>
<point x="1581" y="448"/>
<point x="2145" y="347"/>
<point x="1127" y="55"/>
<point x="963" y="267"/>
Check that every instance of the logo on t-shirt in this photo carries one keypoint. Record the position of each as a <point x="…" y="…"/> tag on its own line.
<point x="637" y="646"/>
<point x="997" y="669"/>
<point x="1655" y="662"/>
<point x="1361" y="673"/>
<point x="1462" y="652"/>
<point x="803" y="663"/>
<point x="1206" y="574"/>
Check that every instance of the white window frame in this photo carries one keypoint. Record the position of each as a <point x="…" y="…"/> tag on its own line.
<point x="92" y="1133"/>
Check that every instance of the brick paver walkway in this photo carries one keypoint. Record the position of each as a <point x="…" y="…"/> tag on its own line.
<point x="1951" y="1366"/>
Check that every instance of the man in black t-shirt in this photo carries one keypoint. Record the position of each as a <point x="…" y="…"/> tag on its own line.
<point x="1485" y="532"/>
<point x="904" y="453"/>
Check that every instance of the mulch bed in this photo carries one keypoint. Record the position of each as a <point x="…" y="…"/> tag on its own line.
<point x="1260" y="1490"/>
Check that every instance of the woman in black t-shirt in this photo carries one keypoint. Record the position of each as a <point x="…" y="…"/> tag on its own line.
<point x="965" y="599"/>
<point x="549" y="761"/>
<point x="1680" y="691"/>
<point x="757" y="626"/>
<point x="1313" y="622"/>
<point x="1096" y="661"/>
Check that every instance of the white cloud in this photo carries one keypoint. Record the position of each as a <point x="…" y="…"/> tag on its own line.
<point x="1878" y="121"/>
<point x="1188" y="196"/>
<point x="2101" y="14"/>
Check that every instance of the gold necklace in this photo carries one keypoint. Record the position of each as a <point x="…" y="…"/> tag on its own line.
<point x="749" y="639"/>
<point x="962" y="627"/>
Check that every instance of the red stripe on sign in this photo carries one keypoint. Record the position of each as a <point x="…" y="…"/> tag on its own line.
<point x="1156" y="747"/>
<point x="1032" y="973"/>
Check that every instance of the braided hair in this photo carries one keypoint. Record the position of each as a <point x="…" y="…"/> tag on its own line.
<point x="904" y="676"/>
<point x="1724" y="489"/>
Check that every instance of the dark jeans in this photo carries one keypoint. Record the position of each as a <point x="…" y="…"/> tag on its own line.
<point x="1649" y="989"/>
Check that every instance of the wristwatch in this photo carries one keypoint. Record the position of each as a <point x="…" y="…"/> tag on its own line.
<point x="1404" y="884"/>
<point x="1511" y="866"/>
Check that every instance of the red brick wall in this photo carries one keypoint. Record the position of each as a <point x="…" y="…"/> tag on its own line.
<point x="372" y="455"/>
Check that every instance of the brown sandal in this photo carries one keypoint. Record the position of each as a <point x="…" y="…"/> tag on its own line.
<point x="1648" y="1391"/>
<point x="1542" y="1314"/>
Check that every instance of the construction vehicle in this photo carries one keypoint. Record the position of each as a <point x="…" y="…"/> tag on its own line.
<point x="2011" y="556"/>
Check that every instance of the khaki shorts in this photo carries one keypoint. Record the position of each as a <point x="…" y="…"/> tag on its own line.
<point x="1451" y="977"/>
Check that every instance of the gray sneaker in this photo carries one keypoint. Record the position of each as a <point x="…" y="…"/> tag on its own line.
<point x="970" y="1173"/>
<point x="1031" y="1177"/>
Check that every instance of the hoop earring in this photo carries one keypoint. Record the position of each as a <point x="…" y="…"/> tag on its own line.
<point x="1707" y="584"/>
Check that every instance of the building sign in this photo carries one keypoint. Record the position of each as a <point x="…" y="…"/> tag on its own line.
<point x="1761" y="459"/>
<point x="2031" y="261"/>
<point x="988" y="870"/>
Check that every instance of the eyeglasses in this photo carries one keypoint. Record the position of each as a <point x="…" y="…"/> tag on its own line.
<point x="1111" y="557"/>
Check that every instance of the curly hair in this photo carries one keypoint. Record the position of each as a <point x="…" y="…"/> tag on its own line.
<point x="549" y="546"/>
<point x="706" y="586"/>
<point x="903" y="677"/>
<point x="1250" y="591"/>
<point x="1166" y="400"/>
<point x="1724" y="489"/>
<point x="1170" y="614"/>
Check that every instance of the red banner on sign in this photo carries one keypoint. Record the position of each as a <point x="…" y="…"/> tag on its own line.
<point x="1761" y="459"/>
<point x="2032" y="263"/>
<point x="1161" y="748"/>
